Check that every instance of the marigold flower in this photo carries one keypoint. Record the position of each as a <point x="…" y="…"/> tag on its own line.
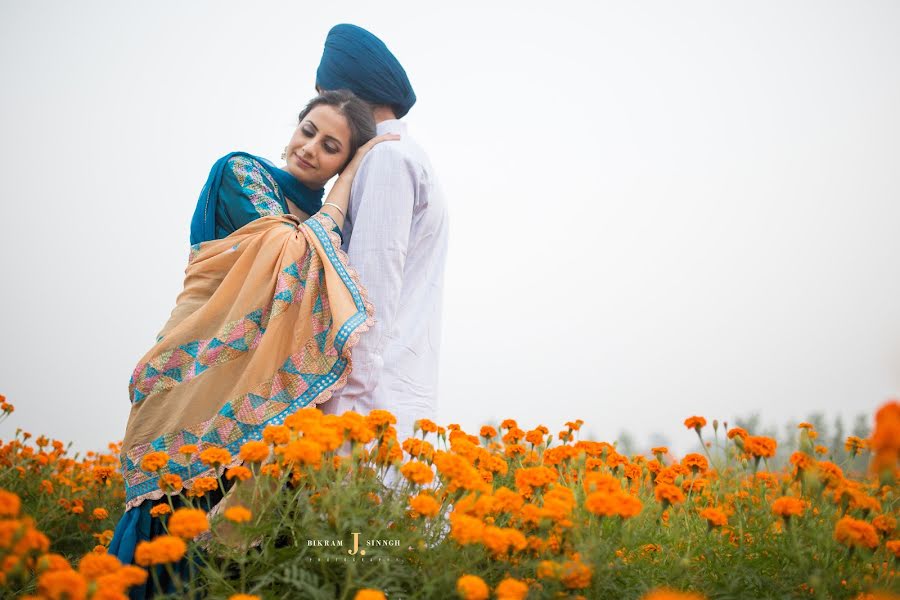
<point x="170" y="482"/>
<point x="465" y="529"/>
<point x="659" y="450"/>
<point x="760" y="446"/>
<point x="738" y="432"/>
<point x="52" y="562"/>
<point x="215" y="456"/>
<point x="667" y="594"/>
<point x="424" y="505"/>
<point x="254" y="451"/>
<point x="240" y="472"/>
<point x="695" y="462"/>
<point x="695" y="423"/>
<point x="276" y="434"/>
<point x="893" y="546"/>
<point x="574" y="574"/>
<point x="885" y="440"/>
<point x="10" y="504"/>
<point x="238" y="514"/>
<point x="160" y="550"/>
<point x="187" y="449"/>
<point x="788" y="507"/>
<point x="884" y="524"/>
<point x="60" y="585"/>
<point x="855" y="533"/>
<point x="378" y="418"/>
<point x="714" y="516"/>
<point x="303" y="452"/>
<point x="854" y="445"/>
<point x="668" y="494"/>
<point x="99" y="514"/>
<point x="472" y="587"/>
<point x="203" y="485"/>
<point x="426" y="425"/>
<point x="547" y="569"/>
<point x="93" y="565"/>
<point x="417" y="472"/>
<point x="188" y="523"/>
<point x="160" y="509"/>
<point x="244" y="597"/>
<point x="369" y="594"/>
<point x="271" y="470"/>
<point x="511" y="589"/>
<point x="153" y="461"/>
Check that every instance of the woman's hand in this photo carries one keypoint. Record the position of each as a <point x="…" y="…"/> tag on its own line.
<point x="351" y="168"/>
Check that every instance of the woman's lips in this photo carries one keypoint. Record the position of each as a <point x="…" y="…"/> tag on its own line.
<point x="304" y="164"/>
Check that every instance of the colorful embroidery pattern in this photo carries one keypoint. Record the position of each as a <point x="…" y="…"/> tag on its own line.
<point x="259" y="187"/>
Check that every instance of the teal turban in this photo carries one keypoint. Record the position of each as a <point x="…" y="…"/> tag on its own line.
<point x="356" y="60"/>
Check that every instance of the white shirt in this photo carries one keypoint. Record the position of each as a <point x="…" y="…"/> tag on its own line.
<point x="396" y="236"/>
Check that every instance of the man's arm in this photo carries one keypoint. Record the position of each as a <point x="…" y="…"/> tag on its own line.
<point x="381" y="210"/>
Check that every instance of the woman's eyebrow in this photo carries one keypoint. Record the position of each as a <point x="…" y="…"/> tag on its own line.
<point x="329" y="137"/>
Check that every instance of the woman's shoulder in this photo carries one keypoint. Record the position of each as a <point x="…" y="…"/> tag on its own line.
<point x="248" y="169"/>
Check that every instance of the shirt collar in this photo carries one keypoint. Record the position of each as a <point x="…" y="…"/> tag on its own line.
<point x="391" y="126"/>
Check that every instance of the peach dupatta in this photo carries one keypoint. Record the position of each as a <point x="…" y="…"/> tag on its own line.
<point x="263" y="327"/>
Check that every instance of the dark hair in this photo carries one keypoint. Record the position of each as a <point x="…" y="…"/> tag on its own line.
<point x="357" y="112"/>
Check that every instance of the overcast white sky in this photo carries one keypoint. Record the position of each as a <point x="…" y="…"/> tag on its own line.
<point x="658" y="209"/>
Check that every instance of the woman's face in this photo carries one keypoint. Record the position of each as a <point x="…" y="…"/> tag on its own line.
<point x="319" y="147"/>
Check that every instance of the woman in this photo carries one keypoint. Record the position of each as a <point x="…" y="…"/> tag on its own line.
<point x="265" y="322"/>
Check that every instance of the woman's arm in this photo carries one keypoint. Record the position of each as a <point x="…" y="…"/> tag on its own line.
<point x="340" y="191"/>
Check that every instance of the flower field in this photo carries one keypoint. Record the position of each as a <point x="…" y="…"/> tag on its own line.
<point x="505" y="513"/>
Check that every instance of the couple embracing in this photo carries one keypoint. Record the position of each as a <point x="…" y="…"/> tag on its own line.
<point x="291" y="299"/>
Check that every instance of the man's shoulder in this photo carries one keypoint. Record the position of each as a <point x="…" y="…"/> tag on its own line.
<point x="403" y="153"/>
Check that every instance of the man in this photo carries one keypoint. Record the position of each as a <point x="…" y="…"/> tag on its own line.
<point x="395" y="233"/>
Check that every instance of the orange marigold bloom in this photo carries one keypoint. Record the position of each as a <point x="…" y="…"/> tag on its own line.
<point x="100" y="513"/>
<point x="244" y="597"/>
<point x="417" y="472"/>
<point x="160" y="550"/>
<point x="714" y="516"/>
<point x="511" y="589"/>
<point x="547" y="569"/>
<point x="153" y="461"/>
<point x="884" y="524"/>
<point x="695" y="423"/>
<point x="170" y="482"/>
<point x="805" y="425"/>
<point x="10" y="504"/>
<point x="241" y="472"/>
<point x="488" y="432"/>
<point x="659" y="450"/>
<point x="93" y="565"/>
<point x="426" y="425"/>
<point x="202" y="485"/>
<point x="528" y="478"/>
<point x="160" y="509"/>
<point x="276" y="434"/>
<point x="885" y="440"/>
<point x="854" y="445"/>
<point x="238" y="514"/>
<point x="424" y="505"/>
<point x="188" y="523"/>
<point x="893" y="546"/>
<point x="508" y="424"/>
<point x="379" y="418"/>
<point x="52" y="562"/>
<point x="60" y="585"/>
<point x="855" y="533"/>
<point x="830" y="473"/>
<point x="215" y="456"/>
<point x="303" y="451"/>
<point x="821" y="450"/>
<point x="472" y="587"/>
<point x="695" y="462"/>
<point x="738" y="432"/>
<point x="271" y="470"/>
<point x="254" y="451"/>
<point x="788" y="507"/>
<point x="760" y="446"/>
<point x="574" y="574"/>
<point x="803" y="461"/>
<point x="465" y="529"/>
<point x="668" y="494"/>
<point x="187" y="449"/>
<point x="667" y="594"/>
<point x="369" y="594"/>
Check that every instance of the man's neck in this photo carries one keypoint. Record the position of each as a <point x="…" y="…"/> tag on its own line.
<point x="383" y="113"/>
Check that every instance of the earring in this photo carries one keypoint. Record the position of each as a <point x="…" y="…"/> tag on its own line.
<point x="284" y="153"/>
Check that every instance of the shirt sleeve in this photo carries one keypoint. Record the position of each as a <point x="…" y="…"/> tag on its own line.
<point x="246" y="194"/>
<point x="382" y="203"/>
